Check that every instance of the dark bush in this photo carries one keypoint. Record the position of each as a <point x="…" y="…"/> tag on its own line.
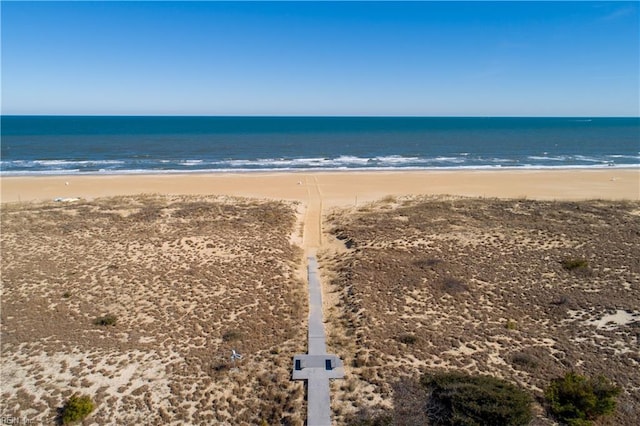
<point x="76" y="409"/>
<point x="577" y="400"/>
<point x="525" y="360"/>
<point x="426" y="262"/>
<point x="408" y="339"/>
<point x="231" y="335"/>
<point x="577" y="265"/>
<point x="460" y="399"/>
<point x="106" y="320"/>
<point x="369" y="417"/>
<point x="453" y="285"/>
<point x="220" y="367"/>
<point x="562" y="300"/>
<point x="409" y="400"/>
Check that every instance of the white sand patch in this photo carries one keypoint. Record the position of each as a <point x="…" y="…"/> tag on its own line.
<point x="611" y="321"/>
<point x="605" y="322"/>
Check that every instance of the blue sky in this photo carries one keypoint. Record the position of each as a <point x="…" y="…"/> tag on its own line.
<point x="320" y="58"/>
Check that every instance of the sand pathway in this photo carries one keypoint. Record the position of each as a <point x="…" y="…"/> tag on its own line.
<point x="313" y="218"/>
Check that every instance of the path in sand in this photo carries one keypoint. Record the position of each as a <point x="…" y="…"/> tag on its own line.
<point x="313" y="217"/>
<point x="316" y="367"/>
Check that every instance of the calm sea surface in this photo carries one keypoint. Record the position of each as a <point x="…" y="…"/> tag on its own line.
<point x="33" y="145"/>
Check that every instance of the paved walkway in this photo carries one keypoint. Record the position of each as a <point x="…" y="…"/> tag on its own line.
<point x="317" y="367"/>
<point x="317" y="343"/>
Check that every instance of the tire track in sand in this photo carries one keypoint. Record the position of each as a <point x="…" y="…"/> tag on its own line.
<point x="313" y="217"/>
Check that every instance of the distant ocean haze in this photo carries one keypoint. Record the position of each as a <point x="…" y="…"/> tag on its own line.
<point x="33" y="145"/>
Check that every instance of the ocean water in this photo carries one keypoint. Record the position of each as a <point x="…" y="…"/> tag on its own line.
<point x="33" y="145"/>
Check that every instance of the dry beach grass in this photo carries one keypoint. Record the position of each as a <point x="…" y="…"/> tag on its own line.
<point x="483" y="286"/>
<point x="186" y="280"/>
<point x="516" y="288"/>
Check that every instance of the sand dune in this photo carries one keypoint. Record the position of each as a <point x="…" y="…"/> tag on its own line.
<point x="191" y="273"/>
<point x="188" y="279"/>
<point x="478" y="285"/>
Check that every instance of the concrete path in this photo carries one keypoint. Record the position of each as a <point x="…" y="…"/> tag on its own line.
<point x="317" y="344"/>
<point x="317" y="367"/>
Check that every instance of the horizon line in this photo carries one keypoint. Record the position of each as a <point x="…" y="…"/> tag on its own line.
<point x="317" y="116"/>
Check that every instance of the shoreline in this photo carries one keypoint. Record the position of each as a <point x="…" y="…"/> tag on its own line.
<point x="337" y="188"/>
<point x="172" y="172"/>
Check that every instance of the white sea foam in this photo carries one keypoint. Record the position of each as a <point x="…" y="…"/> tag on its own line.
<point x="342" y="162"/>
<point x="309" y="168"/>
<point x="449" y="160"/>
<point x="503" y="160"/>
<point x="548" y="158"/>
<point x="588" y="159"/>
<point x="630" y="157"/>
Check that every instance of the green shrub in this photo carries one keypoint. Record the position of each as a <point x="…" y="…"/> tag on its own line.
<point x="76" y="409"/>
<point x="573" y="264"/>
<point x="577" y="400"/>
<point x="106" y="320"/>
<point x="461" y="399"/>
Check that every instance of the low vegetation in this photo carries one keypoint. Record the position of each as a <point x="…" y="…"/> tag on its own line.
<point x="578" y="400"/>
<point x="576" y="265"/>
<point x="482" y="286"/>
<point x="461" y="399"/>
<point x="106" y="320"/>
<point x="511" y="325"/>
<point x="367" y="418"/>
<point x="525" y="361"/>
<point x="174" y="273"/>
<point x="77" y="408"/>
<point x="452" y="285"/>
<point x="408" y="339"/>
<point x="231" y="336"/>
<point x="573" y="263"/>
<point x="450" y="398"/>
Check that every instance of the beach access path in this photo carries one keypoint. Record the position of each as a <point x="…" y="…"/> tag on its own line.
<point x="316" y="367"/>
<point x="313" y="217"/>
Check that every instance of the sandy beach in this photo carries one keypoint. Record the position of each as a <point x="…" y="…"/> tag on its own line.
<point x="340" y="188"/>
<point x="190" y="272"/>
